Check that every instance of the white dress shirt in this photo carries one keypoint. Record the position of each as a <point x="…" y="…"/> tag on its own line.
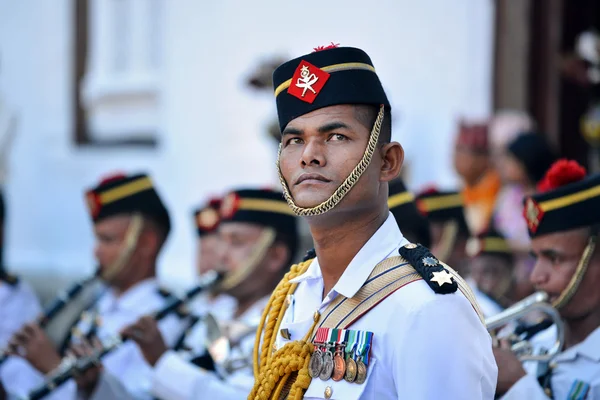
<point x="580" y="363"/>
<point x="177" y="379"/>
<point x="425" y="345"/>
<point x="126" y="363"/>
<point x="18" y="306"/>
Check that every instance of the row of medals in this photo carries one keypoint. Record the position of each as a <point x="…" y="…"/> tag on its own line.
<point x="327" y="365"/>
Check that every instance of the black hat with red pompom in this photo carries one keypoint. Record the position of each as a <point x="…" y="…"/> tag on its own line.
<point x="207" y="218"/>
<point x="566" y="199"/>
<point x="127" y="194"/>
<point x="328" y="76"/>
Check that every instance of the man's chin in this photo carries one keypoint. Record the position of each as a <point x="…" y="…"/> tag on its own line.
<point x="309" y="200"/>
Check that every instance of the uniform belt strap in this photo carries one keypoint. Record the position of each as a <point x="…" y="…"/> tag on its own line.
<point x="388" y="276"/>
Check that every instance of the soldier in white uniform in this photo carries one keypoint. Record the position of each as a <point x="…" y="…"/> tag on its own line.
<point x="18" y="305"/>
<point x="372" y="316"/>
<point x="131" y="225"/>
<point x="563" y="220"/>
<point x="206" y="221"/>
<point x="258" y="235"/>
<point x="18" y="302"/>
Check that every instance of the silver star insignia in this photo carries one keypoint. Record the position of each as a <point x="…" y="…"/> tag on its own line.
<point x="430" y="261"/>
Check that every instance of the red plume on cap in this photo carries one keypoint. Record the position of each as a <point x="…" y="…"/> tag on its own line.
<point x="561" y="173"/>
<point x="330" y="46"/>
<point x="429" y="189"/>
<point x="117" y="176"/>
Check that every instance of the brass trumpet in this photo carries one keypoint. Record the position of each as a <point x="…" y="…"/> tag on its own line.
<point x="521" y="347"/>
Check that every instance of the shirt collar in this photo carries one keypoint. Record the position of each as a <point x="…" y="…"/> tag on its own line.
<point x="386" y="240"/>
<point x="589" y="348"/>
<point x="131" y="299"/>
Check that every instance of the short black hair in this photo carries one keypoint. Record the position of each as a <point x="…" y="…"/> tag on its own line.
<point x="366" y="114"/>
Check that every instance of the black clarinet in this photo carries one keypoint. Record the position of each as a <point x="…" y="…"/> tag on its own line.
<point x="58" y="304"/>
<point x="79" y="366"/>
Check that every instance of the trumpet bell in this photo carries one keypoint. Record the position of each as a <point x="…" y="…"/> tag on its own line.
<point x="522" y="348"/>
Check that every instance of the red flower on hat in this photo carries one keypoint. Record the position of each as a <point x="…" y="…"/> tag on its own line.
<point x="329" y="46"/>
<point x="561" y="173"/>
<point x="429" y="189"/>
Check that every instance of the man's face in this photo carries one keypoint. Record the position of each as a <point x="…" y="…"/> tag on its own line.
<point x="320" y="149"/>
<point x="470" y="165"/>
<point x="492" y="274"/>
<point x="209" y="253"/>
<point x="558" y="255"/>
<point x="110" y="234"/>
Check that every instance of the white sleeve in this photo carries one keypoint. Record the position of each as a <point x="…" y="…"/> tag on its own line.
<point x="443" y="351"/>
<point x="178" y="379"/>
<point x="110" y="388"/>
<point x="128" y="365"/>
<point x="18" y="308"/>
<point x="20" y="378"/>
<point x="526" y="388"/>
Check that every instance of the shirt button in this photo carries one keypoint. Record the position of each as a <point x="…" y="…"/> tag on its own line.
<point x="328" y="392"/>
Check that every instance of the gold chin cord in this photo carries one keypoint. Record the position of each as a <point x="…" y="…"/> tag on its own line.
<point x="233" y="279"/>
<point x="570" y="290"/>
<point x="131" y="239"/>
<point x="348" y="183"/>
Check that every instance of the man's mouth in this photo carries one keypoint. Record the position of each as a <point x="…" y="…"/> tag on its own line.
<point x="311" y="178"/>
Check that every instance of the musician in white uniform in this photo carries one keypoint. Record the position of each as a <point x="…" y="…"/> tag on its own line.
<point x="131" y="225"/>
<point x="258" y="235"/>
<point x="372" y="316"/>
<point x="18" y="302"/>
<point x="563" y="220"/>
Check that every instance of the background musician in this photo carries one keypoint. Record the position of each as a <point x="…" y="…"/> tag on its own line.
<point x="563" y="220"/>
<point x="491" y="271"/>
<point x="18" y="302"/>
<point x="259" y="238"/>
<point x="131" y="225"/>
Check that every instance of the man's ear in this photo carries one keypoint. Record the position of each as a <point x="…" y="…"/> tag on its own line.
<point x="148" y="242"/>
<point x="392" y="155"/>
<point x="279" y="254"/>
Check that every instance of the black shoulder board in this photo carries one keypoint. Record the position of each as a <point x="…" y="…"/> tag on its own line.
<point x="433" y="272"/>
<point x="309" y="255"/>
<point x="8" y="278"/>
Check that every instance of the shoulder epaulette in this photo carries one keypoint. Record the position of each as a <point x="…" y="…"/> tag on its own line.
<point x="310" y="254"/>
<point x="430" y="268"/>
<point x="10" y="279"/>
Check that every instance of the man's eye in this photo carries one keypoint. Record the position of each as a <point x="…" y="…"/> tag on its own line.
<point x="294" y="141"/>
<point x="337" y="136"/>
